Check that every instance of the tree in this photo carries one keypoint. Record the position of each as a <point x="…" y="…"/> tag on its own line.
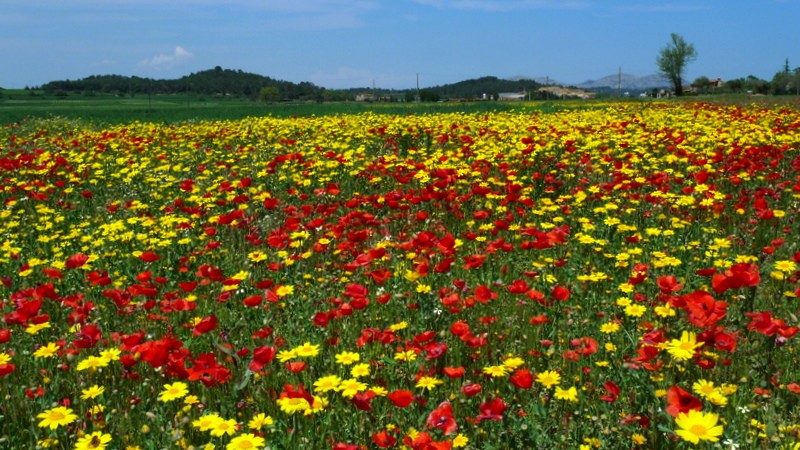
<point x="269" y="94"/>
<point x="673" y="58"/>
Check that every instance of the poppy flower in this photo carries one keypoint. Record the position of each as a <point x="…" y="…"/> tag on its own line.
<point x="76" y="260"/>
<point x="612" y="392"/>
<point x="681" y="401"/>
<point x="442" y="418"/>
<point x="383" y="439"/>
<point x="737" y="277"/>
<point x="401" y="398"/>
<point x="205" y="325"/>
<point x="521" y="379"/>
<point x="492" y="409"/>
<point x="471" y="389"/>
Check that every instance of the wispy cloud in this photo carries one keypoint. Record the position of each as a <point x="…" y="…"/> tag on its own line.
<point x="502" y="5"/>
<point x="178" y="56"/>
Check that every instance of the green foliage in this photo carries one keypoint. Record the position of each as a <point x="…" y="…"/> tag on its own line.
<point x="673" y="58"/>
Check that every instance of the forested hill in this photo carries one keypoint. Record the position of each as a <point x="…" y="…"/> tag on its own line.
<point x="216" y="81"/>
<point x="236" y="83"/>
<point x="490" y="86"/>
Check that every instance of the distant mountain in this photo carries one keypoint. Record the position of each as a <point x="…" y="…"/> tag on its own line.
<point x="626" y="82"/>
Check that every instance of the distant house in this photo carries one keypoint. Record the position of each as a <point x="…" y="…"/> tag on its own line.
<point x="561" y="92"/>
<point x="365" y="97"/>
<point x="512" y="96"/>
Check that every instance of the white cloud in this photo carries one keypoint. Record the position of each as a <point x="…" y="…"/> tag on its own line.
<point x="178" y="56"/>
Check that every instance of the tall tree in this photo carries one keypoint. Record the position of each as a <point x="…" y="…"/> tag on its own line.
<point x="673" y="58"/>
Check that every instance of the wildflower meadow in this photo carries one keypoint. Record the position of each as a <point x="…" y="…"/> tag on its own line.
<point x="619" y="276"/>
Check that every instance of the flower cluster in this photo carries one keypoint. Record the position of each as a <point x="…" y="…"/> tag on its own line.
<point x="620" y="276"/>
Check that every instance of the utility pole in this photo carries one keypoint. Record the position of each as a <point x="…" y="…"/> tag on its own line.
<point x="619" y="82"/>
<point x="418" y="99"/>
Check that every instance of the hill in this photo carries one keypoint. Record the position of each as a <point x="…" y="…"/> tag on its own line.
<point x="213" y="82"/>
<point x="478" y="87"/>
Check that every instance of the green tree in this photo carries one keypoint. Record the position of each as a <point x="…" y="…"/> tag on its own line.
<point x="673" y="58"/>
<point x="269" y="94"/>
<point x="702" y="85"/>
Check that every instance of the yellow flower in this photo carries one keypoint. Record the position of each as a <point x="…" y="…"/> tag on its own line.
<point x="307" y="350"/>
<point x="609" y="327"/>
<point x="173" y="391"/>
<point x="92" y="363"/>
<point x="428" y="382"/>
<point x="398" y="326"/>
<point x="206" y="421"/>
<point x="570" y="395"/>
<point x="638" y="439"/>
<point x="786" y="266"/>
<point x="696" y="426"/>
<point x="292" y="405"/>
<point x="683" y="348"/>
<point x="223" y="427"/>
<point x="704" y="388"/>
<point x="347" y="358"/>
<point x="260" y="421"/>
<point x="286" y="355"/>
<point x="350" y="387"/>
<point x="513" y="362"/>
<point x="95" y="441"/>
<point x="496" y="371"/>
<point x="460" y="441"/>
<point x="245" y="442"/>
<point x="92" y="392"/>
<point x="284" y="290"/>
<point x="635" y="310"/>
<point x="359" y="370"/>
<point x="47" y="351"/>
<point x="328" y="383"/>
<point x="55" y="417"/>
<point x="405" y="355"/>
<point x="36" y="328"/>
<point x="548" y="378"/>
<point x="5" y="358"/>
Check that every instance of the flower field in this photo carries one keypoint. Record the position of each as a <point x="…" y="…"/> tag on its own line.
<point x="622" y="276"/>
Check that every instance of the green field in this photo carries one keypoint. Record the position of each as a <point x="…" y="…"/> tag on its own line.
<point x="17" y="105"/>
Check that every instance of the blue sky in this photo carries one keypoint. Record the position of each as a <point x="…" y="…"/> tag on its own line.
<point x="358" y="43"/>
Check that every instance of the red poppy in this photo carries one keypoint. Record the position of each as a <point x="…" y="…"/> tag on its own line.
<point x="680" y="401"/>
<point x="737" y="277"/>
<point x="401" y="398"/>
<point x="492" y="409"/>
<point x="253" y="300"/>
<point x="149" y="256"/>
<point x="205" y="325"/>
<point x="261" y="356"/>
<point x="362" y="400"/>
<point x="383" y="439"/>
<point x="454" y="372"/>
<point x="296" y="366"/>
<point x="442" y="418"/>
<point x="471" y="389"/>
<point x="521" y="379"/>
<point x="704" y="311"/>
<point x="668" y="284"/>
<point x="474" y="261"/>
<point x="612" y="392"/>
<point x="560" y="293"/>
<point x="76" y="260"/>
